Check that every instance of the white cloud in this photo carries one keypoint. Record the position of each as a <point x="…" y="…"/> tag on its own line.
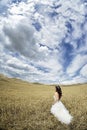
<point x="17" y="67"/>
<point x="20" y="37"/>
<point x="4" y="2"/>
<point x="83" y="71"/>
<point x="76" y="64"/>
<point x="18" y="64"/>
<point x="22" y="8"/>
<point x="75" y="80"/>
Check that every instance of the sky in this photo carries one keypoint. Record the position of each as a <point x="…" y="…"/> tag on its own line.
<point x="44" y="41"/>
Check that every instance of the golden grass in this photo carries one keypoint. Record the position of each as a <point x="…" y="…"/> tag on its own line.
<point x="26" y="106"/>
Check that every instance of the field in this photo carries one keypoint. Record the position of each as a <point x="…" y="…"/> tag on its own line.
<point x="26" y="106"/>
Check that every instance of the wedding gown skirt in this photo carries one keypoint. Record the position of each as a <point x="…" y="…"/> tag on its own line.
<point x="61" y="113"/>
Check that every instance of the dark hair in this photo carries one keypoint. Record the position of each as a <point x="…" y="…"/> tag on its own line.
<point x="59" y="91"/>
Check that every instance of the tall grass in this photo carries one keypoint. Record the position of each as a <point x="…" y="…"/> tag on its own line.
<point x="25" y="106"/>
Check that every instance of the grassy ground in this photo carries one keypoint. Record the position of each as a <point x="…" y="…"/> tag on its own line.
<point x="25" y="106"/>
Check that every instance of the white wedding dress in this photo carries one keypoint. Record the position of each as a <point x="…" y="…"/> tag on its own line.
<point x="60" y="112"/>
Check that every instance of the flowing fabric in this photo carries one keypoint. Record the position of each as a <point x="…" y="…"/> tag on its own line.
<point x="61" y="113"/>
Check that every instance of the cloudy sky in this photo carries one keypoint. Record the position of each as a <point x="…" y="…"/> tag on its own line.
<point x="44" y="41"/>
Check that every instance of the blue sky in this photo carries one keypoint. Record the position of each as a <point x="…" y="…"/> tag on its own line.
<point x="44" y="41"/>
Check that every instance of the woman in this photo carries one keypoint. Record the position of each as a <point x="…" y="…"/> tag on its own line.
<point x="58" y="109"/>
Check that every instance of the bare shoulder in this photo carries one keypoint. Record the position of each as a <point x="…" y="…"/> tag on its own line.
<point x="56" y="94"/>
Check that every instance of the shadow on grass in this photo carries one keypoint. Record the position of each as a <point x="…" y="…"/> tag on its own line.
<point x="2" y="128"/>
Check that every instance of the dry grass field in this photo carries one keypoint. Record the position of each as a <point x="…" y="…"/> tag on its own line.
<point x="26" y="106"/>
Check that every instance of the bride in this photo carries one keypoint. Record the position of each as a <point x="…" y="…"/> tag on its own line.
<point x="58" y="109"/>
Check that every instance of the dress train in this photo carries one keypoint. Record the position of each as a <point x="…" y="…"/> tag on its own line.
<point x="61" y="113"/>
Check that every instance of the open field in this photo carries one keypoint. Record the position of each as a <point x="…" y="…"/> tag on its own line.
<point x="26" y="106"/>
